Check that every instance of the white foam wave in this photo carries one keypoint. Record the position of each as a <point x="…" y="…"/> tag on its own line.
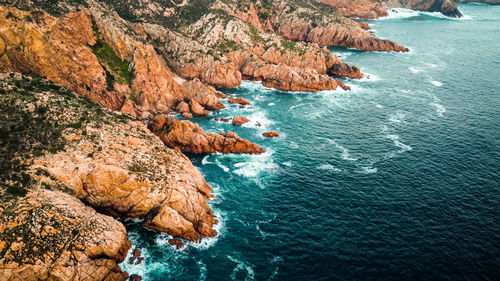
<point x="401" y="13"/>
<point x="328" y="167"/>
<point x="296" y="106"/>
<point x="254" y="86"/>
<point x="369" y="78"/>
<point x="240" y="265"/>
<point x="252" y="169"/>
<point x="205" y="161"/>
<point x="271" y="104"/>
<point x="203" y="271"/>
<point x="223" y="167"/>
<point x="258" y="120"/>
<point x="415" y="69"/>
<point x="436" y="83"/>
<point x="440" y="110"/>
<point x="344" y="151"/>
<point x="432" y="65"/>
<point x="397" y="117"/>
<point x="368" y="170"/>
<point x="398" y="143"/>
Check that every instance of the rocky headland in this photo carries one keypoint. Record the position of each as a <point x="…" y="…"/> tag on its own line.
<point x="94" y="141"/>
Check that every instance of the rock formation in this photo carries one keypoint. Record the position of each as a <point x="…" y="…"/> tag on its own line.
<point x="240" y="120"/>
<point x="271" y="134"/>
<point x="446" y="7"/>
<point x="188" y="136"/>
<point x="81" y="152"/>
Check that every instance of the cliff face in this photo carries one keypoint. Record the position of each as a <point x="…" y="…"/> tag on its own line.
<point x="371" y="9"/>
<point x="490" y="2"/>
<point x="446" y="7"/>
<point x="94" y="53"/>
<point x="59" y="150"/>
<point x="135" y="56"/>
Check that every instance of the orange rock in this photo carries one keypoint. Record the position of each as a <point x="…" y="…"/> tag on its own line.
<point x="239" y="100"/>
<point x="271" y="134"/>
<point x="240" y="120"/>
<point x="340" y="35"/>
<point x="187" y="115"/>
<point x="364" y="25"/>
<point x="366" y="9"/>
<point x="182" y="107"/>
<point x="187" y="136"/>
<point x="197" y="109"/>
<point x="176" y="242"/>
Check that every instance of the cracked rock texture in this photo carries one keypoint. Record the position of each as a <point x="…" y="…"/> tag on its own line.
<point x="59" y="151"/>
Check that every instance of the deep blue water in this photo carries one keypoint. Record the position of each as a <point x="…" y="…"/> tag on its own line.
<point x="397" y="179"/>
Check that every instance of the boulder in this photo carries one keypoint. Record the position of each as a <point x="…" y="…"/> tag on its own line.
<point x="271" y="134"/>
<point x="197" y="109"/>
<point x="239" y="100"/>
<point x="240" y="120"/>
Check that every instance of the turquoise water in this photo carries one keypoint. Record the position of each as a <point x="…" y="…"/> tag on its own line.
<point x="396" y="179"/>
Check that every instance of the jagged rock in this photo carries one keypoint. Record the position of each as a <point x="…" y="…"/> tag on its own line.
<point x="109" y="161"/>
<point x="364" y="25"/>
<point x="135" y="277"/>
<point x="53" y="235"/>
<point x="447" y="7"/>
<point x="187" y="136"/>
<point x="271" y="134"/>
<point x="182" y="107"/>
<point x="365" y="9"/>
<point x="239" y="100"/>
<point x="136" y="253"/>
<point x="176" y="242"/>
<point x="187" y="115"/>
<point x="240" y="120"/>
<point x="197" y="109"/>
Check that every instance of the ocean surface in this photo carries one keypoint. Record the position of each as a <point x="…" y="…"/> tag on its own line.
<point x="397" y="179"/>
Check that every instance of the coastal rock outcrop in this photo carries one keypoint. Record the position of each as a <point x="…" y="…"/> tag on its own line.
<point x="82" y="152"/>
<point x="272" y="134"/>
<point x="51" y="235"/>
<point x="446" y="7"/>
<point x="239" y="100"/>
<point x="188" y="136"/>
<point x="365" y="9"/>
<point x="240" y="120"/>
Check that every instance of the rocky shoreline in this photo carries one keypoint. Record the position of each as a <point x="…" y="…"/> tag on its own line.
<point x="74" y="164"/>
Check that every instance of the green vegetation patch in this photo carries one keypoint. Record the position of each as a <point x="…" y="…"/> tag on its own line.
<point x="255" y="35"/>
<point x="226" y="46"/>
<point x="114" y="66"/>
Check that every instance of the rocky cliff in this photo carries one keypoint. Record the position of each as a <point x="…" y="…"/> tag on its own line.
<point x="63" y="159"/>
<point x="372" y="9"/>
<point x="446" y="7"/>
<point x="70" y="167"/>
<point x="490" y="2"/>
<point x="145" y="57"/>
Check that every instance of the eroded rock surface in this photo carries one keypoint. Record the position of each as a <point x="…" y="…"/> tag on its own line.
<point x="188" y="136"/>
<point x="59" y="150"/>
